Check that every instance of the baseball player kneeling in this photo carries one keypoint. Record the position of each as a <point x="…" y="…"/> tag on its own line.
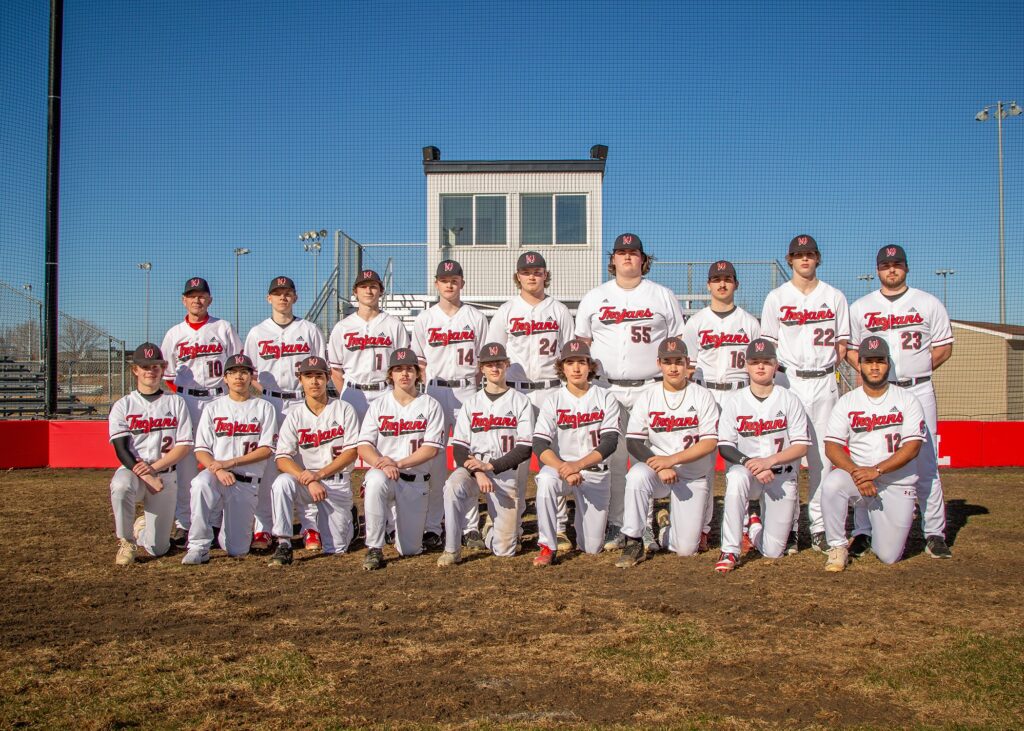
<point x="763" y="435"/>
<point x="316" y="448"/>
<point x="672" y="435"/>
<point x="493" y="436"/>
<point x="577" y="430"/>
<point x="234" y="439"/>
<point x="151" y="432"/>
<point x="884" y="427"/>
<point x="402" y="432"/>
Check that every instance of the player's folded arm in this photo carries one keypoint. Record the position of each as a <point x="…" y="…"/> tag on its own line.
<point x="731" y="454"/>
<point x="516" y="456"/>
<point x="638" y="448"/>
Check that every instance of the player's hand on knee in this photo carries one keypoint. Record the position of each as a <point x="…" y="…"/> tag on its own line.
<point x="153" y="483"/>
<point x="306" y="477"/>
<point x="384" y="462"/>
<point x="473" y="464"/>
<point x="659" y="464"/>
<point x="142" y="469"/>
<point x="758" y="465"/>
<point x="390" y="471"/>
<point x="566" y="469"/>
<point x="317" y="492"/>
<point x="484" y="482"/>
<point x="864" y="474"/>
<point x="668" y="476"/>
<point x="575" y="479"/>
<point x="867" y="488"/>
<point x="765" y="476"/>
<point x="224" y="477"/>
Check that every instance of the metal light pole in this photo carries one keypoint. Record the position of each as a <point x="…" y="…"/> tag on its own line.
<point x="1012" y="111"/>
<point x="867" y="279"/>
<point x="945" y="274"/>
<point x="240" y="251"/>
<point x="315" y="239"/>
<point x="147" y="267"/>
<point x="28" y="288"/>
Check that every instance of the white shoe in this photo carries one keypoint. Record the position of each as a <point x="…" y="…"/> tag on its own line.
<point x="126" y="553"/>
<point x="196" y="557"/>
<point x="449" y="559"/>
<point x="838" y="557"/>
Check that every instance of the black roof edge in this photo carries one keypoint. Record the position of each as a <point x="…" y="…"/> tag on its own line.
<point x="513" y="166"/>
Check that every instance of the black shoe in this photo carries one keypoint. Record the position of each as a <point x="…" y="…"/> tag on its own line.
<point x="374" y="560"/>
<point x="935" y="546"/>
<point x="283" y="555"/>
<point x="819" y="543"/>
<point x="432" y="541"/>
<point x="860" y="545"/>
<point x="754" y="508"/>
<point x="473" y="539"/>
<point x="632" y="553"/>
<point x="389" y="538"/>
<point x="179" y="537"/>
<point x="792" y="546"/>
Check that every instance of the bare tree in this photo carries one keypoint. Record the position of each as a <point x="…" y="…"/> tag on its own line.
<point x="77" y="338"/>
<point x="21" y="341"/>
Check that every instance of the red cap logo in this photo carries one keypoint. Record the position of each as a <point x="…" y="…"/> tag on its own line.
<point x="400" y="354"/>
<point x="530" y="258"/>
<point x="367" y="274"/>
<point x="721" y="265"/>
<point x="872" y="344"/>
<point x="670" y="345"/>
<point x="312" y="360"/>
<point x="891" y="251"/>
<point x="759" y="347"/>
<point x="493" y="350"/>
<point x="148" y="352"/>
<point x="627" y="239"/>
<point x="448" y="266"/>
<point x="802" y="240"/>
<point x="282" y="281"/>
<point x="193" y="282"/>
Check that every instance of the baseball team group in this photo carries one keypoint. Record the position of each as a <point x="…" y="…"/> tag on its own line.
<point x="625" y="404"/>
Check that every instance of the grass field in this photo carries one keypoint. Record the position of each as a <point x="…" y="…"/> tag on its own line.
<point x="496" y="643"/>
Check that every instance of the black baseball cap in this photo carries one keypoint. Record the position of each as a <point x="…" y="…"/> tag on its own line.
<point x="148" y="354"/>
<point x="313" y="364"/>
<point x="722" y="268"/>
<point x="891" y="252"/>
<point x="492" y="353"/>
<point x="448" y="268"/>
<point x="239" y="360"/>
<point x="803" y="244"/>
<point x="575" y="348"/>
<point x="628" y="241"/>
<point x="672" y="348"/>
<point x="281" y="283"/>
<point x="196" y="284"/>
<point x="403" y="357"/>
<point x="761" y="349"/>
<point x="530" y="260"/>
<point x="873" y="347"/>
<point x="368" y="275"/>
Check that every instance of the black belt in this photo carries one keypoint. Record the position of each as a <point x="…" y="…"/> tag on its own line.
<point x="720" y="386"/>
<point x="780" y="470"/>
<point x="451" y="384"/>
<point x="596" y="468"/>
<point x="201" y="391"/>
<point x="412" y="478"/>
<point x="634" y="383"/>
<point x="168" y="470"/>
<point x="534" y="386"/>
<point x="244" y="478"/>
<point x="810" y="374"/>
<point x="908" y="382"/>
<point x="284" y="394"/>
<point x="368" y="386"/>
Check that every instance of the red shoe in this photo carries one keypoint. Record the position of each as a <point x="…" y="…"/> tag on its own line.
<point x="726" y="563"/>
<point x="705" y="542"/>
<point x="745" y="545"/>
<point x="260" y="542"/>
<point x="311" y="539"/>
<point x="546" y="557"/>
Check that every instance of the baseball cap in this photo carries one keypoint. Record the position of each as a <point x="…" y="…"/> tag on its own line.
<point x="281" y="283"/>
<point x="891" y="252"/>
<point x="761" y="349"/>
<point x="239" y="360"/>
<point x="530" y="260"/>
<point x="402" y="357"/>
<point x="628" y="241"/>
<point x="368" y="275"/>
<point x="873" y="347"/>
<point x="196" y="284"/>
<point x="148" y="354"/>
<point x="722" y="268"/>
<point x="492" y="353"/>
<point x="803" y="244"/>
<point x="672" y="348"/>
<point x="448" y="268"/>
<point x="313" y="364"/>
<point x="575" y="348"/>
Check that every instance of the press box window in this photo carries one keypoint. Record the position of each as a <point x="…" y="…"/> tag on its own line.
<point x="553" y="219"/>
<point x="473" y="219"/>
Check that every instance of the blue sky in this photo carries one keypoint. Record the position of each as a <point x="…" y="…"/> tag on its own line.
<point x="191" y="128"/>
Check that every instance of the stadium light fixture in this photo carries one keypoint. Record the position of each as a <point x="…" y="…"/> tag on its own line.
<point x="945" y="274"/>
<point x="315" y="239"/>
<point x="240" y="251"/>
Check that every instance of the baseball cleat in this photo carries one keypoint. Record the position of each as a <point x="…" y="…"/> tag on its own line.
<point x="546" y="557"/>
<point x="632" y="554"/>
<point x="838" y="557"/>
<point x="935" y="546"/>
<point x="138" y="527"/>
<point x="432" y="541"/>
<point x="564" y="544"/>
<point x="389" y="538"/>
<point x="753" y="534"/>
<point x="860" y="545"/>
<point x="488" y="530"/>
<point x="449" y="559"/>
<point x="792" y="546"/>
<point x="650" y="542"/>
<point x="613" y="538"/>
<point x="126" y="553"/>
<point x="473" y="539"/>
<point x="726" y="562"/>
<point x="374" y="560"/>
<point x="311" y="540"/>
<point x="261" y="541"/>
<point x="196" y="557"/>
<point x="745" y="545"/>
<point x="179" y="537"/>
<point x="705" y="542"/>
<point x="819" y="543"/>
<point x="283" y="555"/>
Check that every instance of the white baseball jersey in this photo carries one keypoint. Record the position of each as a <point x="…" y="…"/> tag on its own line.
<point x="806" y="327"/>
<point x="491" y="429"/>
<point x="156" y="427"/>
<point x="912" y="323"/>
<point x="533" y="335"/>
<point x="228" y="429"/>
<point x="574" y="425"/>
<point x="873" y="429"/>
<point x="672" y="422"/>
<point x="626" y="326"/>
<point x="717" y="344"/>
<point x="361" y="348"/>
<point x="397" y="431"/>
<point x="762" y="428"/>
<point x="314" y="441"/>
<point x="276" y="351"/>
<point x="195" y="356"/>
<point x="449" y="345"/>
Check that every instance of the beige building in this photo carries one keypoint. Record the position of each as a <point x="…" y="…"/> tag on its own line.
<point x="984" y="378"/>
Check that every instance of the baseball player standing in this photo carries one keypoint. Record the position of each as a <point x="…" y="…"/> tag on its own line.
<point x="196" y="350"/>
<point x="447" y="337"/>
<point x="276" y="346"/>
<point x="151" y="432"/>
<point x="577" y="431"/>
<point x="623" y="320"/>
<point x="315" y="452"/>
<point x="401" y="435"/>
<point x="762" y="436"/>
<point x="809" y="323"/>
<point x="883" y="427"/>
<point x="718" y="336"/>
<point x="672" y="435"/>
<point x="533" y="327"/>
<point x="916" y="326"/>
<point x="234" y="439"/>
<point x="493" y="436"/>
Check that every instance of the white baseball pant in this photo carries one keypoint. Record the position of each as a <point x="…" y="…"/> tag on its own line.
<point x="360" y="401"/>
<point x="779" y="499"/>
<point x="461" y="490"/>
<point x="537" y="398"/>
<point x="188" y="466"/>
<point x="126" y="491"/>
<point x="591" y="497"/>
<point x="626" y="396"/>
<point x="235" y="506"/>
<point x="264" y="522"/>
<point x="333" y="513"/>
<point x="451" y="400"/>
<point x="891" y="513"/>
<point x="709" y="503"/>
<point x="686" y="505"/>
<point x="410" y="502"/>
